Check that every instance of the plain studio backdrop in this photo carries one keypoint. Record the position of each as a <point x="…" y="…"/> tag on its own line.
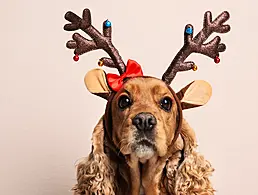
<point x="47" y="115"/>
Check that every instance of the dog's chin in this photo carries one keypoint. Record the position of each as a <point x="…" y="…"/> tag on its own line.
<point x="143" y="150"/>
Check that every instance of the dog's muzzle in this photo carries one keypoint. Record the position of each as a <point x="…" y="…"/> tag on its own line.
<point x="144" y="121"/>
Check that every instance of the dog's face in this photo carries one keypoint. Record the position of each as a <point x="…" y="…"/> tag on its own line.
<point x="144" y="117"/>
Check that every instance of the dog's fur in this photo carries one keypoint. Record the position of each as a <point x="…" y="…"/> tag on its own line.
<point x="119" y="164"/>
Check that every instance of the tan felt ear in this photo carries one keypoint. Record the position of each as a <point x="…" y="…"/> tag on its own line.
<point x="95" y="81"/>
<point x="195" y="94"/>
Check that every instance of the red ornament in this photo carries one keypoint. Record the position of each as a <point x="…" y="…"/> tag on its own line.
<point x="216" y="59"/>
<point x="76" y="57"/>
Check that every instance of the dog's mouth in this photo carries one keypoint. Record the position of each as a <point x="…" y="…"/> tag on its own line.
<point x="146" y="142"/>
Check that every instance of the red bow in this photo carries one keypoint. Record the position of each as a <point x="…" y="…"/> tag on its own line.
<point x="133" y="69"/>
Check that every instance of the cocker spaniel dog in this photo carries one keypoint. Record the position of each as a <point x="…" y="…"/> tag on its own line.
<point x="142" y="144"/>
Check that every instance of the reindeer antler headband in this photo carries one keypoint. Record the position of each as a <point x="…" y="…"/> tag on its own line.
<point x="105" y="85"/>
<point x="103" y="41"/>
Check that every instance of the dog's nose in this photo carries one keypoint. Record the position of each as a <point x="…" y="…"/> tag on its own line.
<point x="144" y="121"/>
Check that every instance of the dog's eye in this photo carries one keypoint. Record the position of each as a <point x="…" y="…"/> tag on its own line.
<point x="124" y="102"/>
<point x="166" y="103"/>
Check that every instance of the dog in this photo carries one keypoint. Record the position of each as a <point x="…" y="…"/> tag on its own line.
<point x="142" y="144"/>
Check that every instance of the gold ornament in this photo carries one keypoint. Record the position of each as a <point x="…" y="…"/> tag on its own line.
<point x="195" y="67"/>
<point x="100" y="63"/>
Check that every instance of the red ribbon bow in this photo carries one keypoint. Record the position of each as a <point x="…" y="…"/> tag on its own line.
<point x="133" y="69"/>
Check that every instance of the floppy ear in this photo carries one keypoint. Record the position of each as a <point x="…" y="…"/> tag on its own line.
<point x="193" y="174"/>
<point x="195" y="94"/>
<point x="94" y="173"/>
<point x="190" y="173"/>
<point x="96" y="83"/>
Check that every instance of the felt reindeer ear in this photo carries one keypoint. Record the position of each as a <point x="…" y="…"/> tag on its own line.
<point x="195" y="94"/>
<point x="95" y="81"/>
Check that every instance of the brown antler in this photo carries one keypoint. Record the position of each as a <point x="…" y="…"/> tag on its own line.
<point x="83" y="45"/>
<point x="196" y="44"/>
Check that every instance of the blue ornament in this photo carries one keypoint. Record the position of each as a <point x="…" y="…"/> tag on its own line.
<point x="107" y="23"/>
<point x="189" y="31"/>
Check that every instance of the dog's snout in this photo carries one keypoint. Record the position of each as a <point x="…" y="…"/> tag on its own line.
<point x="144" y="121"/>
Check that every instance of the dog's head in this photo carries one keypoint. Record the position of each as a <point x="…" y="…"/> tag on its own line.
<point x="143" y="114"/>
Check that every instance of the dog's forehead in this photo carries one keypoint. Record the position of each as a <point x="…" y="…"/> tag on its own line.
<point x="143" y="84"/>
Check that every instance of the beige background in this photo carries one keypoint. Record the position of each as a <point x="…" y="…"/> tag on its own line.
<point x="47" y="115"/>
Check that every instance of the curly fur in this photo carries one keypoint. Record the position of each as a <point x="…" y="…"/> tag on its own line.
<point x="95" y="176"/>
<point x="191" y="177"/>
<point x="94" y="173"/>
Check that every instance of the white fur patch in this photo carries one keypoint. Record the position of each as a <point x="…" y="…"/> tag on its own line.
<point x="143" y="151"/>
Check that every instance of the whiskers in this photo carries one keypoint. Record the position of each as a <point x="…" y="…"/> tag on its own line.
<point x="123" y="145"/>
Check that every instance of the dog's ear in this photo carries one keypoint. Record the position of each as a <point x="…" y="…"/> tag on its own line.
<point x="193" y="171"/>
<point x="195" y="94"/>
<point x="95" y="175"/>
<point x="95" y="81"/>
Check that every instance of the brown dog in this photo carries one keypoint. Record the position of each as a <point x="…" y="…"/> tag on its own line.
<point x="142" y="144"/>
